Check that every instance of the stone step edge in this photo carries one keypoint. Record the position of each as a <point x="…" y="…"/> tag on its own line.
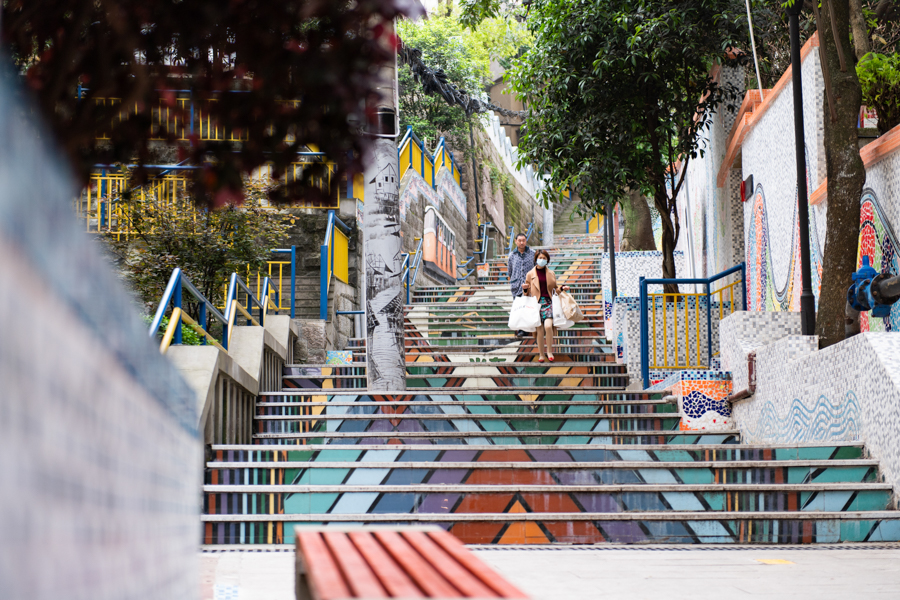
<point x="487" y="434"/>
<point x="542" y="489"/>
<point x="613" y="464"/>
<point x="466" y="416"/>
<point x="497" y="391"/>
<point x="653" y="402"/>
<point x="505" y="363"/>
<point x="875" y="515"/>
<point x="615" y="447"/>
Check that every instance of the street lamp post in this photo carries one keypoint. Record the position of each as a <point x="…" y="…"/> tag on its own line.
<point x="807" y="300"/>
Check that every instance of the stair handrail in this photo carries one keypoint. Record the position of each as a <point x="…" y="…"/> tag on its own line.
<point x="233" y="305"/>
<point x="326" y="264"/>
<point x="408" y="267"/>
<point x="177" y="282"/>
<point x="436" y="159"/>
<point x="645" y="328"/>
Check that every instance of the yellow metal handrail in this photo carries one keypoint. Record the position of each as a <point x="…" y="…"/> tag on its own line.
<point x="678" y="307"/>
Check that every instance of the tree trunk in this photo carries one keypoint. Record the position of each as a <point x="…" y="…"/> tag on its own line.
<point x="382" y="246"/>
<point x="846" y="176"/>
<point x="861" y="42"/>
<point x="669" y="239"/>
<point x="638" y="234"/>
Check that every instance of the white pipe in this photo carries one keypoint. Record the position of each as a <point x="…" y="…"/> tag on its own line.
<point x="753" y="44"/>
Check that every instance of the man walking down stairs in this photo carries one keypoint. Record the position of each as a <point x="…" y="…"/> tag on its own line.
<point x="499" y="449"/>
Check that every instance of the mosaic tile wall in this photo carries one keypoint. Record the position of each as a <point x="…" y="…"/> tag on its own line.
<point x="711" y="217"/>
<point x="745" y="331"/>
<point x="701" y="400"/>
<point x="848" y="391"/>
<point x="99" y="453"/>
<point x="630" y="267"/>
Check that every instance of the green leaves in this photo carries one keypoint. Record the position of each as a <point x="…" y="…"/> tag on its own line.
<point x="879" y="77"/>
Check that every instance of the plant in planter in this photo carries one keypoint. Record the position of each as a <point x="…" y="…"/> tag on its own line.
<point x="879" y="76"/>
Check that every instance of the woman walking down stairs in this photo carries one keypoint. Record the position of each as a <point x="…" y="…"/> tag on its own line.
<point x="500" y="449"/>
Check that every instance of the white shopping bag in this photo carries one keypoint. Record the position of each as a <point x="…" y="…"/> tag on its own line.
<point x="559" y="318"/>
<point x="525" y="314"/>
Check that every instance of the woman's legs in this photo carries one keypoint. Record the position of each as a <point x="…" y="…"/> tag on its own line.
<point x="539" y="333"/>
<point x="548" y="335"/>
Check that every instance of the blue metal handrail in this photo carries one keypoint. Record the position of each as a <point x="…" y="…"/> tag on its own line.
<point x="645" y="329"/>
<point x="326" y="265"/>
<point x="232" y="304"/>
<point x="406" y="268"/>
<point x="178" y="281"/>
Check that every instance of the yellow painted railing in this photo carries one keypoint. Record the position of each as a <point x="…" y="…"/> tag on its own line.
<point x="677" y="328"/>
<point x="676" y="323"/>
<point x="413" y="155"/>
<point x="104" y="207"/>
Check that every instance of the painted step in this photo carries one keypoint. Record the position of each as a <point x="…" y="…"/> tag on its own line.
<point x="471" y="405"/>
<point x="560" y="452"/>
<point x="524" y="354"/>
<point x="451" y="422"/>
<point x="450" y="498"/>
<point x="499" y="437"/>
<point x="518" y="526"/>
<point x="456" y="467"/>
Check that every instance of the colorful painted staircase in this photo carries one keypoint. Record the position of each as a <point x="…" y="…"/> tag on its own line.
<point x="500" y="449"/>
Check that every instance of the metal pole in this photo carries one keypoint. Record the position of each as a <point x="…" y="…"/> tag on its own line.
<point x="177" y="303"/>
<point x="807" y="300"/>
<point x="645" y="349"/>
<point x="293" y="281"/>
<point x="708" y="328"/>
<point x="610" y="216"/>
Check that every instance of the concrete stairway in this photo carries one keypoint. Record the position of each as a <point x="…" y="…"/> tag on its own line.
<point x="500" y="449"/>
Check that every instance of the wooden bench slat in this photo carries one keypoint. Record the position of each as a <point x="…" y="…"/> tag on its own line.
<point x="357" y="572"/>
<point x="469" y="585"/>
<point x="392" y="577"/>
<point x="325" y="579"/>
<point x="487" y="575"/>
<point x="415" y="566"/>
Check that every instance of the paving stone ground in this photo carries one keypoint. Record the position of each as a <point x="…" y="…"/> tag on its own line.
<point x="673" y="573"/>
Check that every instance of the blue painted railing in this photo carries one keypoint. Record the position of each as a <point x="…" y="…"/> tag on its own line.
<point x="326" y="265"/>
<point x="411" y="268"/>
<point x="177" y="283"/>
<point x="513" y="235"/>
<point x="233" y="305"/>
<point x="673" y="299"/>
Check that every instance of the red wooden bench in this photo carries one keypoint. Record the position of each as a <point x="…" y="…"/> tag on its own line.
<point x="335" y="563"/>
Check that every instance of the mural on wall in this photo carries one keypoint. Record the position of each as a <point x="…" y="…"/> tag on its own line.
<point x="447" y="187"/>
<point x="877" y="241"/>
<point x="765" y="292"/>
<point x="439" y="243"/>
<point x="411" y="187"/>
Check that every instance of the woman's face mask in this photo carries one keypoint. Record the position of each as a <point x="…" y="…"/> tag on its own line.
<point x="542" y="262"/>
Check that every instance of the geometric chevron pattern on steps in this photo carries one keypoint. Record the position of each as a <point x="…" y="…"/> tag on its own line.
<point x="497" y="448"/>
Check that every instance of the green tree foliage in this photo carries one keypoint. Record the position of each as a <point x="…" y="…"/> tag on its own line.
<point x="465" y="57"/>
<point x="208" y="245"/>
<point x="879" y="76"/>
<point x="446" y="46"/>
<point x="618" y="91"/>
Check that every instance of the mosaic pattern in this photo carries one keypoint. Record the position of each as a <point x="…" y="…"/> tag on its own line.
<point x="744" y="332"/>
<point x="630" y="267"/>
<point x="701" y="399"/>
<point x="766" y="292"/>
<point x="843" y="392"/>
<point x="877" y="241"/>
